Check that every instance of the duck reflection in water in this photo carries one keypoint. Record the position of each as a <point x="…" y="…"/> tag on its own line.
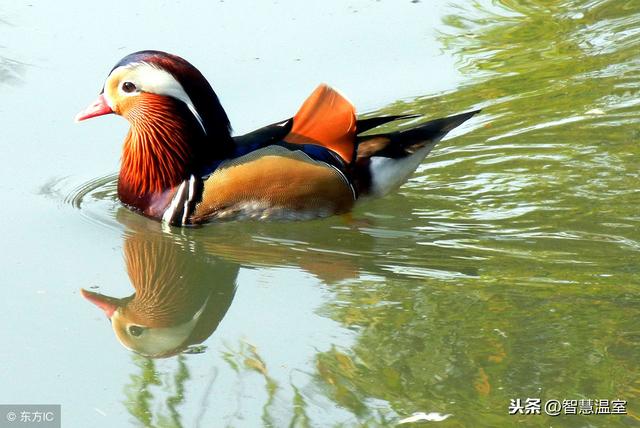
<point x="185" y="282"/>
<point x="180" y="296"/>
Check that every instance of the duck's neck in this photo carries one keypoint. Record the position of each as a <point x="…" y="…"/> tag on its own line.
<point x="165" y="144"/>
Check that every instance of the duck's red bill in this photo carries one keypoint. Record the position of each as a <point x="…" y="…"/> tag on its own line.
<point x="98" y="108"/>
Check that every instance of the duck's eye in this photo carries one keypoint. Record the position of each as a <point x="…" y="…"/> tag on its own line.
<point x="135" y="330"/>
<point x="128" y="87"/>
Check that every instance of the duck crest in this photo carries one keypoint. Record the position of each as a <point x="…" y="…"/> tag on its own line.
<point x="205" y="101"/>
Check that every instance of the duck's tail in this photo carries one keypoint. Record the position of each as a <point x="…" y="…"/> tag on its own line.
<point x="385" y="161"/>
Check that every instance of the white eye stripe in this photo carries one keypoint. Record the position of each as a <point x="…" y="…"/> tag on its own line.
<point x="149" y="78"/>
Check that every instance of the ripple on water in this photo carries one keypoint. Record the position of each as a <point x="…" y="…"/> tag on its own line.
<point x="96" y="199"/>
<point x="377" y="244"/>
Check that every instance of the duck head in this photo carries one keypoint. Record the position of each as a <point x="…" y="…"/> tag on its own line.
<point x="178" y="125"/>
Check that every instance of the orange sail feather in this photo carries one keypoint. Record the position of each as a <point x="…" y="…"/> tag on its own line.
<point x="328" y="119"/>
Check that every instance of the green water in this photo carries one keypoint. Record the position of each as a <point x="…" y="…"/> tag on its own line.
<point x="507" y="267"/>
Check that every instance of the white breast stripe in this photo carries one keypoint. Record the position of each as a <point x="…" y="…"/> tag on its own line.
<point x="168" y="214"/>
<point x="192" y="184"/>
<point x="185" y="211"/>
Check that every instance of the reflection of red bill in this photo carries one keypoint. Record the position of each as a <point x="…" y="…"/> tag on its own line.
<point x="106" y="303"/>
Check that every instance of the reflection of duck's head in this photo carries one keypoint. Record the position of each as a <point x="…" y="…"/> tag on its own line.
<point x="179" y="301"/>
<point x="140" y="335"/>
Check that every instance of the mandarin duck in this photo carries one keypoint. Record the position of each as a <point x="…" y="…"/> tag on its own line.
<point x="180" y="296"/>
<point x="181" y="165"/>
